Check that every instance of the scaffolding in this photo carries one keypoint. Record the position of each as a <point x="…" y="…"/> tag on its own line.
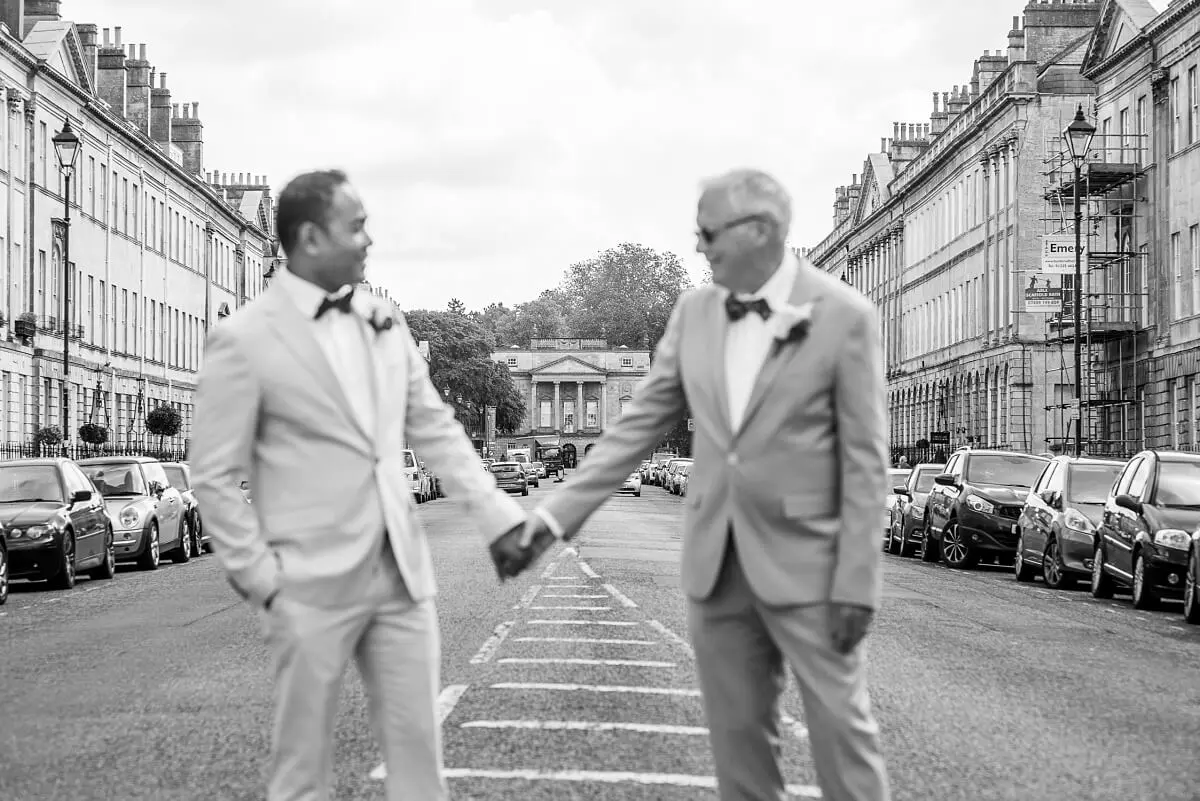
<point x="1114" y="313"/>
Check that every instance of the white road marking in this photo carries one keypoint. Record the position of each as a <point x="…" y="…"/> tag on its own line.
<point x="596" y="640"/>
<point x="605" y="662"/>
<point x="586" y="725"/>
<point x="581" y="623"/>
<point x="672" y="636"/>
<point x="550" y="568"/>
<point x="576" y="608"/>
<point x="620" y="596"/>
<point x="528" y="597"/>
<point x="566" y="586"/>
<point x="446" y="700"/>
<point x="489" y="648"/>
<point x="798" y="729"/>
<point x="51" y="600"/>
<point x="568" y="595"/>
<point x="587" y="570"/>
<point x="568" y="550"/>
<point x="595" y="688"/>
<point x="612" y="777"/>
<point x="566" y="578"/>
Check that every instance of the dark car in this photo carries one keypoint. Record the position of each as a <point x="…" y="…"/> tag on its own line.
<point x="908" y="514"/>
<point x="3" y="567"/>
<point x="55" y="522"/>
<point x="973" y="507"/>
<point x="180" y="476"/>
<point x="1146" y="529"/>
<point x="552" y="458"/>
<point x="510" y="477"/>
<point x="1056" y="532"/>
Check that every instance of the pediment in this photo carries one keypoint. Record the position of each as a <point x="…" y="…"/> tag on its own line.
<point x="57" y="44"/>
<point x="1121" y="22"/>
<point x="877" y="176"/>
<point x="567" y="365"/>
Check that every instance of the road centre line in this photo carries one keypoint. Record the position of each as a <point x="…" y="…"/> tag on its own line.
<point x="595" y="688"/>
<point x="446" y="700"/>
<point x="593" y="640"/>
<point x="612" y="777"/>
<point x="626" y="623"/>
<point x="528" y="597"/>
<point x="492" y="644"/>
<point x="586" y="725"/>
<point x="620" y="596"/>
<point x="604" y="662"/>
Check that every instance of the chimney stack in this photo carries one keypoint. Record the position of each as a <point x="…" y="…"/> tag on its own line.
<point x="42" y="10"/>
<point x="87" y="41"/>
<point x="137" y="98"/>
<point x="1016" y="42"/>
<point x="160" y="113"/>
<point x="112" y="78"/>
<point x="12" y="14"/>
<point x="188" y="133"/>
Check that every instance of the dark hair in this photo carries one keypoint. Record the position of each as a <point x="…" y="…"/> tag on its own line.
<point x="306" y="198"/>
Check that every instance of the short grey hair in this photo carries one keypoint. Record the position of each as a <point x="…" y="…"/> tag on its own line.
<point x="755" y="192"/>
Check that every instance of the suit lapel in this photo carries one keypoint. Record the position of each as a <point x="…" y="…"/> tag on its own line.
<point x="804" y="290"/>
<point x="716" y="350"/>
<point x="296" y="335"/>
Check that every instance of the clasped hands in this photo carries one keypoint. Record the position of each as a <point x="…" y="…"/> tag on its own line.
<point x="516" y="549"/>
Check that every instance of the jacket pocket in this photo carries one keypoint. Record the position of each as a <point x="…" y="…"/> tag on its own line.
<point x="810" y="506"/>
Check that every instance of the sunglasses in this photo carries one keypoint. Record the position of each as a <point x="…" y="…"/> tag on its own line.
<point x="709" y="235"/>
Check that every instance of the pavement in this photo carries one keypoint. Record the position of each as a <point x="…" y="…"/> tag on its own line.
<point x="576" y="682"/>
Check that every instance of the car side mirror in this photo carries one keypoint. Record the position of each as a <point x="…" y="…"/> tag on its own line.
<point x="422" y="464"/>
<point x="946" y="480"/>
<point x="80" y="496"/>
<point x="1053" y="498"/>
<point x="1128" y="502"/>
<point x="900" y="490"/>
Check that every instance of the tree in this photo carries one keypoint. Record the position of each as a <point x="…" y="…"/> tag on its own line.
<point x="456" y="306"/>
<point x="491" y="317"/>
<point x="163" y="421"/>
<point x="624" y="295"/>
<point x="538" y="319"/>
<point x="484" y="383"/>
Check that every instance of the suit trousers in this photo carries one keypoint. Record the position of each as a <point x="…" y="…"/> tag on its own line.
<point x="741" y="649"/>
<point x="396" y="645"/>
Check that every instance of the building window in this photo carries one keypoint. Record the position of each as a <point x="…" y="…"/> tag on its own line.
<point x="625" y="402"/>
<point x="1175" y="396"/>
<point x="92" y="185"/>
<point x="591" y="414"/>
<point x="1193" y="115"/>
<point x="545" y="411"/>
<point x="1177" y="271"/>
<point x="1126" y="145"/>
<point x="1194" y="250"/>
<point x="512" y="361"/>
<point x="626" y="361"/>
<point x="1144" y="291"/>
<point x="568" y="425"/>
<point x="43" y="143"/>
<point x="1176" y="117"/>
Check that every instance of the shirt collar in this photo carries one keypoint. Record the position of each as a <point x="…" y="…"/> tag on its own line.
<point x="778" y="288"/>
<point x="307" y="296"/>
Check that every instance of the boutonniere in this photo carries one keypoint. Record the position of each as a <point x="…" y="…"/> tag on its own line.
<point x="790" y="324"/>
<point x="381" y="319"/>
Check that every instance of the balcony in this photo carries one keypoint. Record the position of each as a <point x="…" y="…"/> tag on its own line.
<point x="50" y="326"/>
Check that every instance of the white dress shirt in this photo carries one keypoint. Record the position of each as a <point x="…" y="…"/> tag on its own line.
<point x="749" y="340"/>
<point x="343" y="338"/>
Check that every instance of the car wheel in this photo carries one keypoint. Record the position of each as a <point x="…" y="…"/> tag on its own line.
<point x="107" y="568"/>
<point x="955" y="550"/>
<point x="1022" y="570"/>
<point x="65" y="578"/>
<point x="183" y="553"/>
<point x="525" y="490"/>
<point x="197" y="540"/>
<point x="149" y="560"/>
<point x="3" y="576"/>
<point x="1191" y="596"/>
<point x="1102" y="583"/>
<point x="1054" y="572"/>
<point x="930" y="548"/>
<point x="1144" y="596"/>
<point x="637" y="494"/>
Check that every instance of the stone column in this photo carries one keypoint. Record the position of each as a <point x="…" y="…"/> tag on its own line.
<point x="557" y="407"/>
<point x="533" y="406"/>
<point x="603" y="402"/>
<point x="578" y="407"/>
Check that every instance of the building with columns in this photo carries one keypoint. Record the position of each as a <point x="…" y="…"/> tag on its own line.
<point x="944" y="232"/>
<point x="573" y="388"/>
<point x="160" y="247"/>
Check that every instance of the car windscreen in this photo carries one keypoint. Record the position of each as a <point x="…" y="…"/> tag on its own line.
<point x="409" y="461"/>
<point x="28" y="482"/>
<point x="505" y="469"/>
<point x="1178" y="484"/>
<point x="176" y="476"/>
<point x="925" y="479"/>
<point x="1004" y="470"/>
<point x="116" y="479"/>
<point x="1090" y="483"/>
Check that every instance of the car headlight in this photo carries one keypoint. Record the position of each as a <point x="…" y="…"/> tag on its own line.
<point x="1172" y="538"/>
<point x="129" y="517"/>
<point x="1077" y="522"/>
<point x="980" y="505"/>
<point x="30" y="532"/>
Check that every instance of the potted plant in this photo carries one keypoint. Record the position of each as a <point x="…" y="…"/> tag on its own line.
<point x="93" y="434"/>
<point x="26" y="325"/>
<point x="163" y="421"/>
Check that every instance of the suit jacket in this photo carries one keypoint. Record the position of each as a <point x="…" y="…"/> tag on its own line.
<point x="802" y="480"/>
<point x="269" y="408"/>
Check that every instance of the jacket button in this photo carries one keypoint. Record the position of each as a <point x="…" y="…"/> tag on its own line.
<point x="732" y="460"/>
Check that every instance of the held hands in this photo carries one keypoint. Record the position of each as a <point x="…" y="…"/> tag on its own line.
<point x="848" y="625"/>
<point x="516" y="549"/>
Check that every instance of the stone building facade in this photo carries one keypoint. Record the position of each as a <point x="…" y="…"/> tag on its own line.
<point x="574" y="387"/>
<point x="159" y="248"/>
<point x="943" y="230"/>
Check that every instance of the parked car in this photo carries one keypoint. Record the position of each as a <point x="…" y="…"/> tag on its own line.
<point x="55" y="523"/>
<point x="180" y="476"/>
<point x="531" y="473"/>
<point x="974" y="506"/>
<point x="908" y="515"/>
<point x="632" y="485"/>
<point x="3" y="566"/>
<point x="896" y="476"/>
<point x="510" y="477"/>
<point x="146" y="510"/>
<point x="539" y="469"/>
<point x="1056" y="531"/>
<point x="418" y="479"/>
<point x="682" y="469"/>
<point x="1145" y="532"/>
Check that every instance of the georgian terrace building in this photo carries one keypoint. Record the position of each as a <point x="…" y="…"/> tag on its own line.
<point x="159" y="248"/>
<point x="943" y="232"/>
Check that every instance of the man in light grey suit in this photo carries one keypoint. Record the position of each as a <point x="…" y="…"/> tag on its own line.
<point x="310" y="392"/>
<point x="781" y="366"/>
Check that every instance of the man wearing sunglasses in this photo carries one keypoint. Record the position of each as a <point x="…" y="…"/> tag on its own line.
<point x="781" y="366"/>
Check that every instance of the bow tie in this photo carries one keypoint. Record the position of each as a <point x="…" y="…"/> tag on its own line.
<point x="342" y="304"/>
<point x="737" y="309"/>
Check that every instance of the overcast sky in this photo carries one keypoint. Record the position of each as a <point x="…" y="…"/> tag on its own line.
<point x="498" y="141"/>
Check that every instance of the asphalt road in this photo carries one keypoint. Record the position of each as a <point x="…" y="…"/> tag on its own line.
<point x="575" y="683"/>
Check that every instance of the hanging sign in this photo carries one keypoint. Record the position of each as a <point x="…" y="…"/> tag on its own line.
<point x="1044" y="294"/>
<point x="1058" y="254"/>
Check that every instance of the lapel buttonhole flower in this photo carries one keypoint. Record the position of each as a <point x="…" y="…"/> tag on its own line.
<point x="381" y="320"/>
<point x="791" y="324"/>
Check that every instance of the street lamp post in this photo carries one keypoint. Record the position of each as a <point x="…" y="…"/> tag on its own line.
<point x="1078" y="136"/>
<point x="66" y="146"/>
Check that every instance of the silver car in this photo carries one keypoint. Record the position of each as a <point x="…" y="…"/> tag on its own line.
<point x="147" y="512"/>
